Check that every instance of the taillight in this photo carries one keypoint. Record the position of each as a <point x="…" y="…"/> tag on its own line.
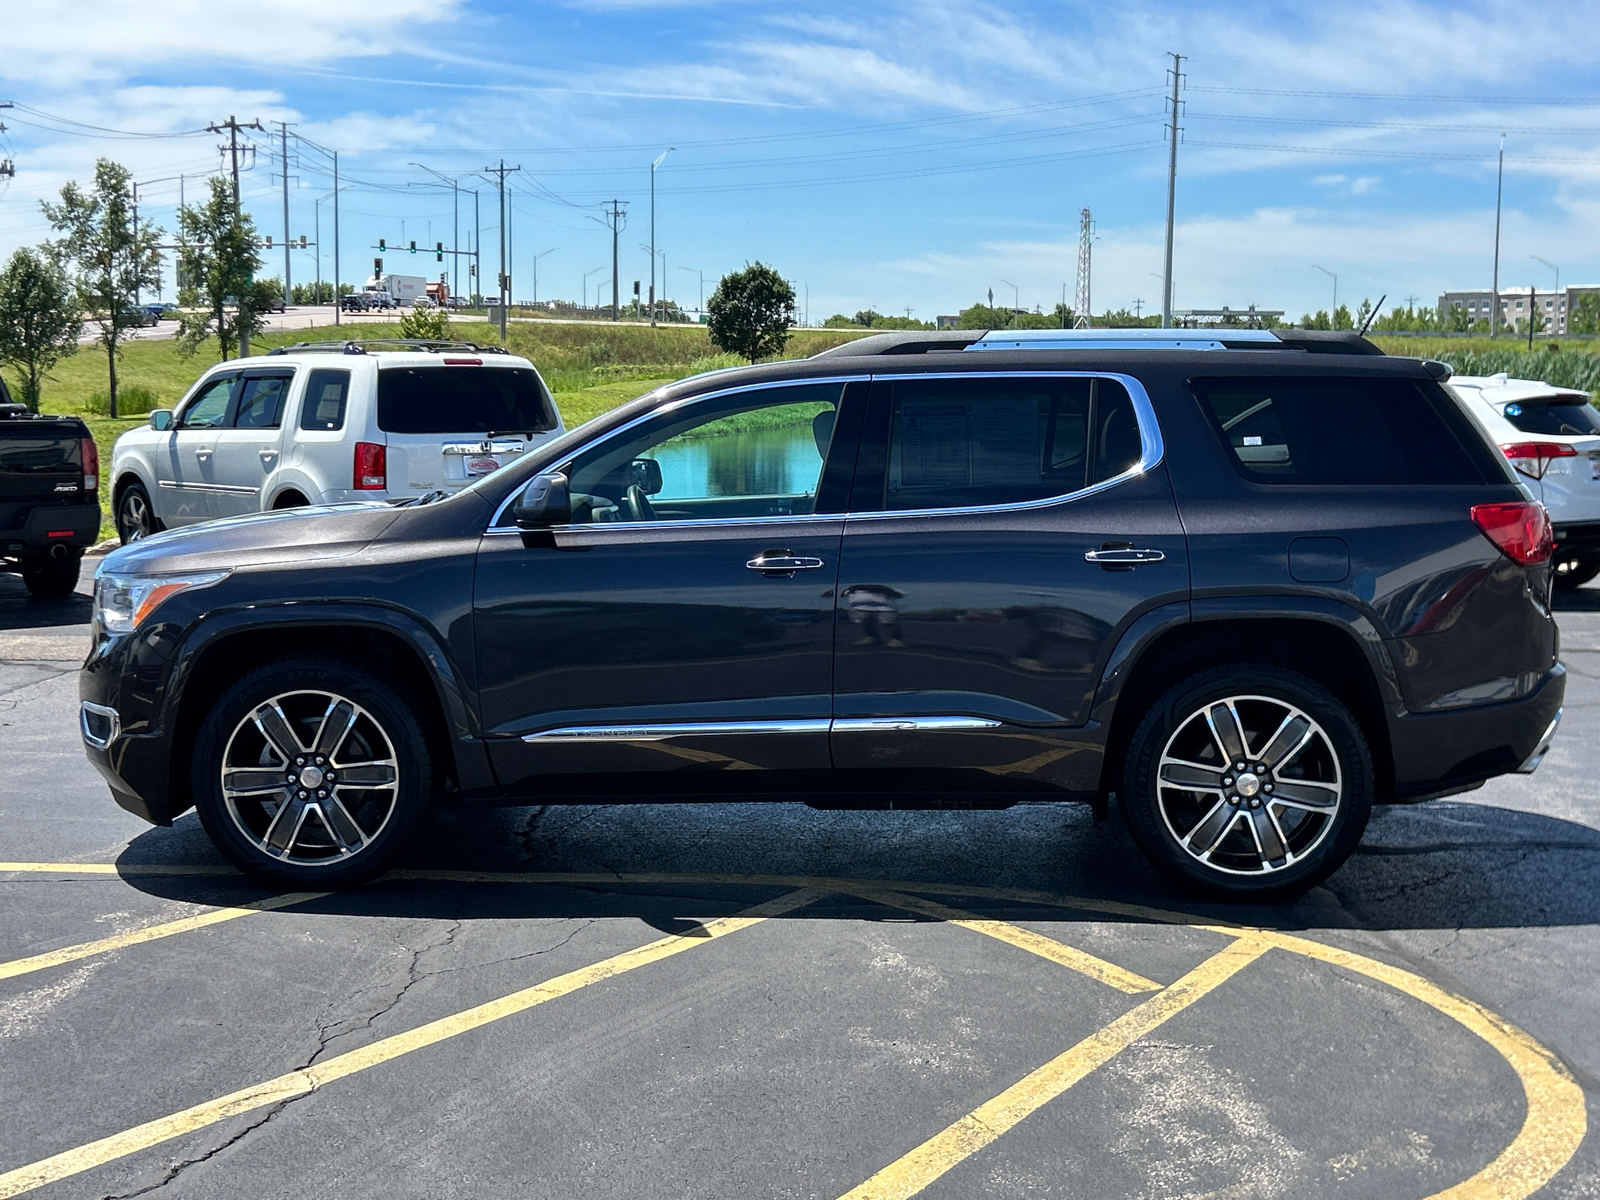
<point x="1521" y="528"/>
<point x="90" y="454"/>
<point x="1533" y="458"/>
<point x="371" y="473"/>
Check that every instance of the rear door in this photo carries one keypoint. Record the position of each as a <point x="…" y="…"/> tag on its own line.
<point x="450" y="423"/>
<point x="250" y="447"/>
<point x="1003" y="531"/>
<point x="187" y="461"/>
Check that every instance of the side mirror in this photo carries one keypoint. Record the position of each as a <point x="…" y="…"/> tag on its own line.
<point x="645" y="474"/>
<point x="543" y="503"/>
<point x="160" y="418"/>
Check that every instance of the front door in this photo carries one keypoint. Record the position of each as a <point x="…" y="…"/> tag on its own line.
<point x="188" y="462"/>
<point x="677" y="636"/>
<point x="248" y="450"/>
<point x="1004" y="530"/>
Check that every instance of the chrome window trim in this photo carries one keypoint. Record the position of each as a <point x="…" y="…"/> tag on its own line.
<point x="1152" y="453"/>
<point x="662" y="732"/>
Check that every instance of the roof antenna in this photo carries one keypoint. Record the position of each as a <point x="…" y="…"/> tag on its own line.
<point x="1373" y="315"/>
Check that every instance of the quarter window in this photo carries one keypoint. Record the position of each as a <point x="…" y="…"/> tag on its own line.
<point x="1337" y="431"/>
<point x="751" y="454"/>
<point x="956" y="443"/>
<point x="323" y="405"/>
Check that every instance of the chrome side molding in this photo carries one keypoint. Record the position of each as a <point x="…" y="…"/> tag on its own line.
<point x="660" y="733"/>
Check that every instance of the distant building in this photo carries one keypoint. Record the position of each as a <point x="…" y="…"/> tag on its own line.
<point x="1515" y="303"/>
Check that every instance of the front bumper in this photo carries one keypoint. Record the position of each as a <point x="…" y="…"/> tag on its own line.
<point x="118" y="723"/>
<point x="1438" y="753"/>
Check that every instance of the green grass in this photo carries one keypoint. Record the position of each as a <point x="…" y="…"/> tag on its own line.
<point x="591" y="368"/>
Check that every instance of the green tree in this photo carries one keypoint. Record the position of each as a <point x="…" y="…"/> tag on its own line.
<point x="217" y="261"/>
<point x="111" y="255"/>
<point x="39" y="319"/>
<point x="1342" y="318"/>
<point x="751" y="313"/>
<point x="1585" y="314"/>
<point x="867" y="317"/>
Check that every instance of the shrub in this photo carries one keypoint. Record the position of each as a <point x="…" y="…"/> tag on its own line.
<point x="133" y="400"/>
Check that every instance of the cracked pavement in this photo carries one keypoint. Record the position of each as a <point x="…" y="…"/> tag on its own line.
<point x="796" y="1058"/>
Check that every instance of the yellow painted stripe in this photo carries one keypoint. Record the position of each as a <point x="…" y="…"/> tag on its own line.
<point x="302" y="1082"/>
<point x="1024" y="939"/>
<point x="1556" y="1118"/>
<point x="909" y="1175"/>
<point x="150" y="933"/>
<point x="50" y="868"/>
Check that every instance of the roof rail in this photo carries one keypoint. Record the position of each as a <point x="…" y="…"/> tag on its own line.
<point x="366" y="345"/>
<point x="1306" y="341"/>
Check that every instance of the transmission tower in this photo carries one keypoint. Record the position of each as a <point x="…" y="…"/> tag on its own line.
<point x="1080" y="303"/>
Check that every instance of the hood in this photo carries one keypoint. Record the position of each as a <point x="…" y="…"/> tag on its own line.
<point x="291" y="535"/>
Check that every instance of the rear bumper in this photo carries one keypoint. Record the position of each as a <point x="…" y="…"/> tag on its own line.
<point x="75" y="526"/>
<point x="1579" y="535"/>
<point x="1436" y="754"/>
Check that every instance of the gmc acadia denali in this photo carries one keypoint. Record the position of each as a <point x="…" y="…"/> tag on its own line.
<point x="1242" y="584"/>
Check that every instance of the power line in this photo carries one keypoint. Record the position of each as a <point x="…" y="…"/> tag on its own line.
<point x="1346" y="152"/>
<point x="96" y="129"/>
<point x="1564" y="102"/>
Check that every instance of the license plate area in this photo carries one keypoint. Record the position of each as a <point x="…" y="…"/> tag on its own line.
<point x="479" y="465"/>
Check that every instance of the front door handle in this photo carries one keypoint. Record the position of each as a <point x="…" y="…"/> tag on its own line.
<point x="782" y="562"/>
<point x="202" y="453"/>
<point x="1124" y="556"/>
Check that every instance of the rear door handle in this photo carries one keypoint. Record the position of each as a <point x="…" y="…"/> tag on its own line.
<point x="781" y="562"/>
<point x="1124" y="556"/>
<point x="267" y="455"/>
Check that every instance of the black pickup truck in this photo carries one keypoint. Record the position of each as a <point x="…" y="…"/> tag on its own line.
<point x="49" y="497"/>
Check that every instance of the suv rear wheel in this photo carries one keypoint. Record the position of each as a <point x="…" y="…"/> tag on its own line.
<point x="1575" y="570"/>
<point x="50" y="578"/>
<point x="1250" y="782"/>
<point x="311" y="774"/>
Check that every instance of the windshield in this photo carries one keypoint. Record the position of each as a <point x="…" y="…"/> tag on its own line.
<point x="1558" y="415"/>
<point x="463" y="400"/>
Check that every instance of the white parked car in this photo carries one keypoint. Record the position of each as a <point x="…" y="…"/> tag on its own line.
<point x="320" y="424"/>
<point x="1552" y="437"/>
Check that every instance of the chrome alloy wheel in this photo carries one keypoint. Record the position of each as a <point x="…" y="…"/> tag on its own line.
<point x="1249" y="785"/>
<point x="134" y="515"/>
<point x="310" y="778"/>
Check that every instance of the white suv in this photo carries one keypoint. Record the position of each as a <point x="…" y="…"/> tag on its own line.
<point x="330" y="422"/>
<point x="1552" y="437"/>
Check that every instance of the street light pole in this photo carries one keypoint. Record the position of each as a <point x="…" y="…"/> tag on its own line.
<point x="1016" y="302"/>
<point x="653" y="167"/>
<point x="536" y="259"/>
<point x="1499" y="192"/>
<point x="1555" y="308"/>
<point x="455" y="225"/>
<point x="1335" y="279"/>
<point x="700" y="311"/>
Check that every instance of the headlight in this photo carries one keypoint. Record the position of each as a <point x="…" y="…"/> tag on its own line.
<point x="121" y="602"/>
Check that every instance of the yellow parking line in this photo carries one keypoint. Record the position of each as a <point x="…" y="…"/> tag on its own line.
<point x="151" y="933"/>
<point x="908" y="1175"/>
<point x="299" y="1083"/>
<point x="1024" y="939"/>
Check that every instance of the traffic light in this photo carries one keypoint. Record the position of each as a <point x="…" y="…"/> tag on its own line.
<point x="413" y="245"/>
<point x="472" y="270"/>
<point x="377" y="266"/>
<point x="269" y="241"/>
<point x="635" y="287"/>
<point x="381" y="246"/>
<point x="302" y="241"/>
<point x="438" y="252"/>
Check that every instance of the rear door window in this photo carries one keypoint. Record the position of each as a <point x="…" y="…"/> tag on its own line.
<point x="1341" y="431"/>
<point x="982" y="441"/>
<point x="1559" y="416"/>
<point x="327" y="393"/>
<point x="463" y="399"/>
<point x="261" y="400"/>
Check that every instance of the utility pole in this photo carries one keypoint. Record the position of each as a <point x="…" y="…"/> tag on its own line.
<point x="653" y="167"/>
<point x="1533" y="312"/>
<point x="234" y="128"/>
<point x="336" y="305"/>
<point x="501" y="172"/>
<point x="283" y="134"/>
<point x="1494" y="288"/>
<point x="1172" y="190"/>
<point x="615" y="219"/>
<point x="477" y="247"/>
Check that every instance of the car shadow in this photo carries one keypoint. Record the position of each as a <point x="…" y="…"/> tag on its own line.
<point x="1583" y="599"/>
<point x="1442" y="865"/>
<point x="19" y="610"/>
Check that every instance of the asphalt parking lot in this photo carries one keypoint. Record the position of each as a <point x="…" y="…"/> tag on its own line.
<point x="771" y="1001"/>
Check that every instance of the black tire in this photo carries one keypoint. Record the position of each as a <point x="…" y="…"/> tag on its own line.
<point x="52" y="578"/>
<point x="362" y="829"/>
<point x="1574" y="570"/>
<point x="1239" y="828"/>
<point x="290" y="500"/>
<point x="136" y="518"/>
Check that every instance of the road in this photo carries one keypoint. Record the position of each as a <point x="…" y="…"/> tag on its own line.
<point x="770" y="1001"/>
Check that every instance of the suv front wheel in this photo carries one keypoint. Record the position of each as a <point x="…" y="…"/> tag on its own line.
<point x="311" y="774"/>
<point x="1250" y="782"/>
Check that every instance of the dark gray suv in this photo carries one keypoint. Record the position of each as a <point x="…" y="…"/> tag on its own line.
<point x="1241" y="585"/>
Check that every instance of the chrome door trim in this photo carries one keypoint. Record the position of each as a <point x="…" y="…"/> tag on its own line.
<point x="662" y="732"/>
<point x="239" y="489"/>
<point x="910" y="724"/>
<point x="658" y="733"/>
<point x="1152" y="453"/>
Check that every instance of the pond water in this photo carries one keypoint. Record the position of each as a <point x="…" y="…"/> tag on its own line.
<point x="757" y="462"/>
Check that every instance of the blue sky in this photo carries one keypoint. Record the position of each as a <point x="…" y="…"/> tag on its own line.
<point x="889" y="155"/>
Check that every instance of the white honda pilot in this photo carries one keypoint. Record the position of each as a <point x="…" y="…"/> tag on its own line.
<point x="1552" y="437"/>
<point x="320" y="423"/>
